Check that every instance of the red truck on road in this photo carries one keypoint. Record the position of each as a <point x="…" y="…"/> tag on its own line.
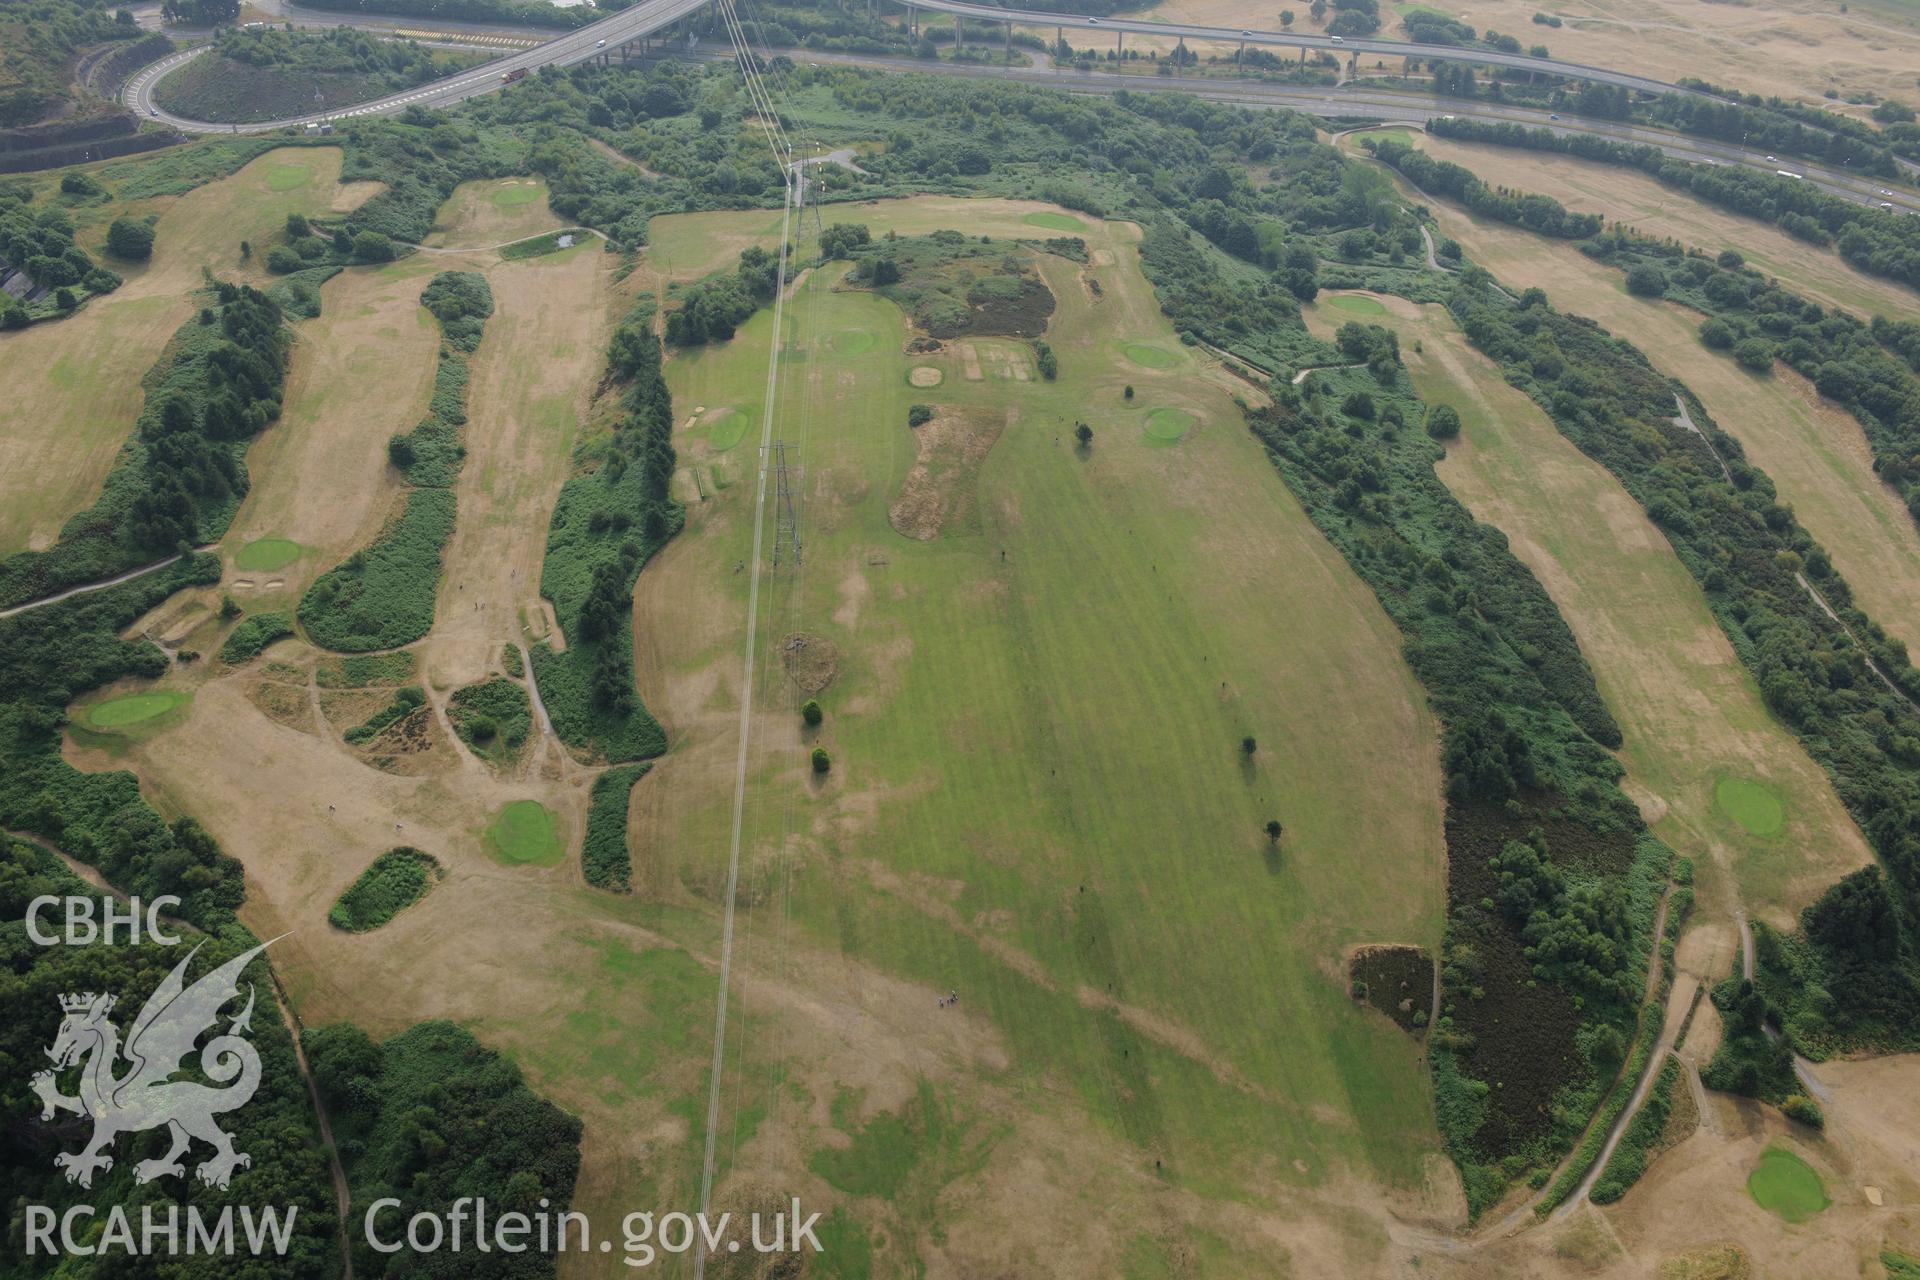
<point x="508" y="77"/>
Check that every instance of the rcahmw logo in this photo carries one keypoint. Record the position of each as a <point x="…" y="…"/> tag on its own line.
<point x="131" y="1087"/>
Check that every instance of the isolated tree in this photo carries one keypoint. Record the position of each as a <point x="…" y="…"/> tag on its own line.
<point x="1083" y="433"/>
<point x="1286" y="18"/>
<point x="371" y="246"/>
<point x="1128" y="393"/>
<point x="810" y="712"/>
<point x="1043" y="356"/>
<point x="821" y="760"/>
<point x="919" y="415"/>
<point x="1273" y="828"/>
<point x="1646" y="281"/>
<point x="1754" y="354"/>
<point x="246" y="251"/>
<point x="1248" y="745"/>
<point x="1443" y="422"/>
<point x="130" y="240"/>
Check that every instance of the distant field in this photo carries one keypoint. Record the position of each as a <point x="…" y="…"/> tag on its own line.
<point x="1802" y="49"/>
<point x="1716" y="776"/>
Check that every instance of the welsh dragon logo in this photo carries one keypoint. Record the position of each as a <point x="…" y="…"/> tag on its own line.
<point x="145" y="1095"/>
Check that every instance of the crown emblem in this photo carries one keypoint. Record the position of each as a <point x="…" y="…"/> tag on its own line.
<point x="82" y="1002"/>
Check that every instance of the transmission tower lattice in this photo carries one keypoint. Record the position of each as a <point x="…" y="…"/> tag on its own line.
<point x="786" y="515"/>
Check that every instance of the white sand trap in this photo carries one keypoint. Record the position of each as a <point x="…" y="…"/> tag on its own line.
<point x="925" y="375"/>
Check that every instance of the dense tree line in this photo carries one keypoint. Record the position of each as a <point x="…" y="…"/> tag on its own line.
<point x="1538" y="213"/>
<point x="276" y="1128"/>
<point x="1770" y="129"/>
<point x="40" y="243"/>
<point x="428" y="1117"/>
<point x="178" y="483"/>
<point x="1751" y="556"/>
<point x="712" y="309"/>
<point x="1868" y="367"/>
<point x="531" y="13"/>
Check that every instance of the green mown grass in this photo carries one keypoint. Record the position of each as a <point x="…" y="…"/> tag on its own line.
<point x="1054" y="221"/>
<point x="727" y="430"/>
<point x="1784" y="1184"/>
<point x="264" y="555"/>
<point x="1754" y="805"/>
<point x="132" y="708"/>
<point x="1166" y="426"/>
<point x="1069" y="760"/>
<point x="1355" y="304"/>
<point x="522" y="834"/>
<point x="1149" y="356"/>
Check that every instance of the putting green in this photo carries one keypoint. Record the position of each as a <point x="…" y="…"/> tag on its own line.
<point x="287" y="177"/>
<point x="1754" y="805"/>
<point x="851" y="342"/>
<point x="1165" y="426"/>
<point x="1054" y="222"/>
<point x="132" y="708"/>
<point x="1145" y="353"/>
<point x="1355" y="304"/>
<point x="514" y="196"/>
<point x="264" y="555"/>
<point x="1784" y="1184"/>
<point x="523" y="836"/>
<point x="726" y="430"/>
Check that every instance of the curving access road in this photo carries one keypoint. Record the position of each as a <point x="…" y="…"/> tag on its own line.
<point x="1353" y="99"/>
<point x="650" y="16"/>
<point x="566" y="50"/>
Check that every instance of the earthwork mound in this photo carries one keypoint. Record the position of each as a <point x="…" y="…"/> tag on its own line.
<point x="810" y="660"/>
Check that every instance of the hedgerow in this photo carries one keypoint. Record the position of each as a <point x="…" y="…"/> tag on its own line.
<point x="605" y="858"/>
<point x="393" y="882"/>
<point x="1629" y="1158"/>
<point x="383" y="596"/>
